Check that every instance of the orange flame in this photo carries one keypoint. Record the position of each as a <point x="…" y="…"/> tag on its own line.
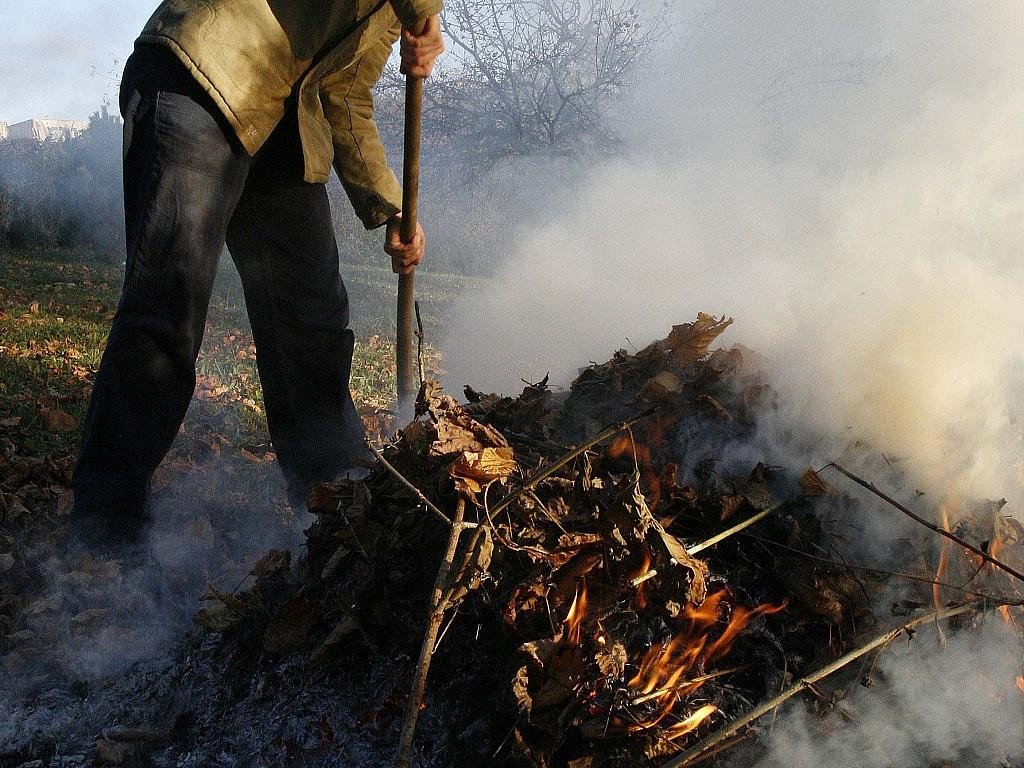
<point x="626" y="445"/>
<point x="940" y="571"/>
<point x="691" y="723"/>
<point x="574" y="618"/>
<point x="662" y="669"/>
<point x="641" y="594"/>
<point x="1020" y="683"/>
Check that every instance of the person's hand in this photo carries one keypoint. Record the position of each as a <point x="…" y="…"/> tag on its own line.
<point x="419" y="50"/>
<point x="405" y="257"/>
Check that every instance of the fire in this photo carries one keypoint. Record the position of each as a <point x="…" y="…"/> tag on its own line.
<point x="940" y="571"/>
<point x="641" y="453"/>
<point x="1020" y="683"/>
<point x="691" y="723"/>
<point x="574" y="618"/>
<point x="663" y="671"/>
<point x="640" y="580"/>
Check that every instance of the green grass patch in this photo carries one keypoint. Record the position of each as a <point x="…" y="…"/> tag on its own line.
<point x="55" y="312"/>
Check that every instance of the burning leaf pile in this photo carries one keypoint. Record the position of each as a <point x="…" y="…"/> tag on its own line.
<point x="572" y="594"/>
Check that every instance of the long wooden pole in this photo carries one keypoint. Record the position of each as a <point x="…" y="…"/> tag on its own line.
<point x="408" y="386"/>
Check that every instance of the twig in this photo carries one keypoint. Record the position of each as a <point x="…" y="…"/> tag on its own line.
<point x="545" y="472"/>
<point x="930" y="526"/>
<point x="412" y="488"/>
<point x="437" y="610"/>
<point x="995" y="599"/>
<point x="690" y="756"/>
<point x="735" y="529"/>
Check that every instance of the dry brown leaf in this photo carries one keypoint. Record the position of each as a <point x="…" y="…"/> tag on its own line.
<point x="343" y="629"/>
<point x="562" y="673"/>
<point x="690" y="342"/>
<point x="290" y="625"/>
<point x="218" y="618"/>
<point x="521" y="690"/>
<point x="612" y="659"/>
<point x="730" y="505"/>
<point x="250" y="456"/>
<point x="663" y="386"/>
<point x="486" y="465"/>
<point x="811" y="484"/>
<point x="57" y="421"/>
<point x="110" y="752"/>
<point x="474" y="469"/>
<point x="275" y="561"/>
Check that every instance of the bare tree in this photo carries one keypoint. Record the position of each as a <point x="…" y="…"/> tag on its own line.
<point x="530" y="76"/>
<point x="537" y="83"/>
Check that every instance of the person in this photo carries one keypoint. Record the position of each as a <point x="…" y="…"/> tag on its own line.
<point x="234" y="111"/>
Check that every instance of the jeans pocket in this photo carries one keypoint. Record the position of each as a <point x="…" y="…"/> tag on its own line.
<point x="188" y="134"/>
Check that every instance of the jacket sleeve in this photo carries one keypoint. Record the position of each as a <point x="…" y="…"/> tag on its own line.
<point x="411" y="12"/>
<point x="359" y="156"/>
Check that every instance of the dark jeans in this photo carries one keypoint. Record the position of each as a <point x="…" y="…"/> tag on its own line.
<point x="189" y="188"/>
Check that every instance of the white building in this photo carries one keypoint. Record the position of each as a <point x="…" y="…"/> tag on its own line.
<point x="41" y="129"/>
<point x="3" y="130"/>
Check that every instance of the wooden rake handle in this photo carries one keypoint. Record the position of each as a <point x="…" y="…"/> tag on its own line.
<point x="408" y="385"/>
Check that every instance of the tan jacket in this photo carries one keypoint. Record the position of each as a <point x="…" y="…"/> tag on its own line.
<point x="249" y="54"/>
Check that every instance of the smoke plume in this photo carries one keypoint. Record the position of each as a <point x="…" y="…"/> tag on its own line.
<point x="844" y="180"/>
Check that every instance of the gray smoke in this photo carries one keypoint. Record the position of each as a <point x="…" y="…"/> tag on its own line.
<point x="960" y="704"/>
<point x="844" y="179"/>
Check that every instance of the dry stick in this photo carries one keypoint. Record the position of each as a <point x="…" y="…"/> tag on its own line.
<point x="543" y="474"/>
<point x="995" y="599"/>
<point x="691" y="755"/>
<point x="930" y="526"/>
<point x="412" y="488"/>
<point x="735" y="529"/>
<point x="437" y="610"/>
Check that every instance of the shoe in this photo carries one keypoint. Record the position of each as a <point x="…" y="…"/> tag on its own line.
<point x="104" y="536"/>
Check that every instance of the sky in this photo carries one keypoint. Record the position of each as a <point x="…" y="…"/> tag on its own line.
<point x="62" y="58"/>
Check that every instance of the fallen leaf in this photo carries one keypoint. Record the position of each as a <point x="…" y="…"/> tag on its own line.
<point x="690" y="342"/>
<point x="664" y="386"/>
<point x="290" y="625"/>
<point x="611" y="660"/>
<point x="346" y="626"/>
<point x="250" y="456"/>
<point x="811" y="484"/>
<point x="57" y="421"/>
<point x="110" y="752"/>
<point x="275" y="561"/>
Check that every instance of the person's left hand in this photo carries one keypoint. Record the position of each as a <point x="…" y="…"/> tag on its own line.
<point x="405" y="257"/>
<point x="419" y="50"/>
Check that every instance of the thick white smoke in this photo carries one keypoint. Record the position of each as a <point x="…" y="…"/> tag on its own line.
<point x="961" y="705"/>
<point x="845" y="179"/>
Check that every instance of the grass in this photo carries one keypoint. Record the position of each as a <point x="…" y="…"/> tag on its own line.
<point x="55" y="311"/>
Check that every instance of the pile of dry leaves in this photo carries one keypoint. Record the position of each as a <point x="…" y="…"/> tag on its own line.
<point x="573" y="589"/>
